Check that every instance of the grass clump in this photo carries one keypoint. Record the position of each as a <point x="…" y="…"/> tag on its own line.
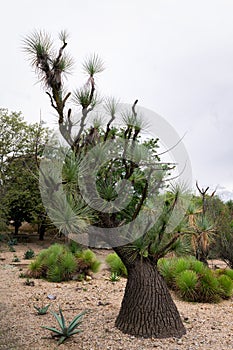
<point x="208" y="288"/>
<point x="195" y="282"/>
<point x="58" y="263"/>
<point x="166" y="269"/>
<point x="229" y="273"/>
<point x="87" y="261"/>
<point x="226" y="285"/>
<point x="116" y="265"/>
<point x="186" y="282"/>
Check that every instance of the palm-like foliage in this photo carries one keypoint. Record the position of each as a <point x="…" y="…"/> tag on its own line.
<point x="39" y="47"/>
<point x="202" y="231"/>
<point x="93" y="65"/>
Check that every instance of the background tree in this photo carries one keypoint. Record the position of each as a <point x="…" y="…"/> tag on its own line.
<point x="19" y="142"/>
<point x="201" y="224"/>
<point x="221" y="214"/>
<point x="147" y="308"/>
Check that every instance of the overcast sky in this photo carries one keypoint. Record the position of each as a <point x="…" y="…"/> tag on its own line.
<point x="176" y="57"/>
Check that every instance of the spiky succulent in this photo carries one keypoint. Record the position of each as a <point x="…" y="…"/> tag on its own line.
<point x="114" y="277"/>
<point x="41" y="310"/>
<point x="65" y="331"/>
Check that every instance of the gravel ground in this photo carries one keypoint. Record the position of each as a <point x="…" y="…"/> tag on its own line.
<point x="209" y="326"/>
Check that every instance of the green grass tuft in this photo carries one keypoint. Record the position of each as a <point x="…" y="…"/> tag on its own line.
<point x="226" y="285"/>
<point x="116" y="265"/>
<point x="58" y="263"/>
<point x="186" y="281"/>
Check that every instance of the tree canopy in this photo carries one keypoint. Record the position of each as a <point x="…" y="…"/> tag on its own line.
<point x="19" y="143"/>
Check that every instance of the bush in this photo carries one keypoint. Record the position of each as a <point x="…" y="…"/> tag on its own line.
<point x="208" y="288"/>
<point x="87" y="261"/>
<point x="229" y="273"/>
<point x="224" y="245"/>
<point x="62" y="269"/>
<point x="193" y="281"/>
<point x="181" y="265"/>
<point x="74" y="247"/>
<point x="166" y="269"/>
<point x="170" y="268"/>
<point x="58" y="263"/>
<point x="186" y="281"/>
<point x="116" y="265"/>
<point x="226" y="285"/>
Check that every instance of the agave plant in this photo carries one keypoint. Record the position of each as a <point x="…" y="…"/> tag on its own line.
<point x="114" y="277"/>
<point x="65" y="331"/>
<point x="41" y="310"/>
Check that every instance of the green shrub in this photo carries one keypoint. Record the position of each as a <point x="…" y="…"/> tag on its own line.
<point x="87" y="261"/>
<point x="166" y="269"/>
<point x="226" y="285"/>
<point x="208" y="288"/>
<point x="116" y="265"/>
<point x="62" y="270"/>
<point x="12" y="241"/>
<point x="193" y="281"/>
<point x="74" y="247"/>
<point x="186" y="281"/>
<point x="197" y="266"/>
<point x="181" y="264"/>
<point x="58" y="263"/>
<point x="229" y="273"/>
<point x="15" y="259"/>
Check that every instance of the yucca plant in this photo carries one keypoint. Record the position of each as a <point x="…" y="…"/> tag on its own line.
<point x="42" y="310"/>
<point x="65" y="331"/>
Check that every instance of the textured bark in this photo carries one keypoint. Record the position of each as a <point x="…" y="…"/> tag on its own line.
<point x="147" y="308"/>
<point x="17" y="225"/>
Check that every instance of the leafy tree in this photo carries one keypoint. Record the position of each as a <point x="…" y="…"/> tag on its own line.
<point x="221" y="214"/>
<point x="19" y="142"/>
<point x="131" y="171"/>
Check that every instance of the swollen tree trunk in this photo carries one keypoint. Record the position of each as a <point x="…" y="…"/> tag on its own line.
<point x="147" y="308"/>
